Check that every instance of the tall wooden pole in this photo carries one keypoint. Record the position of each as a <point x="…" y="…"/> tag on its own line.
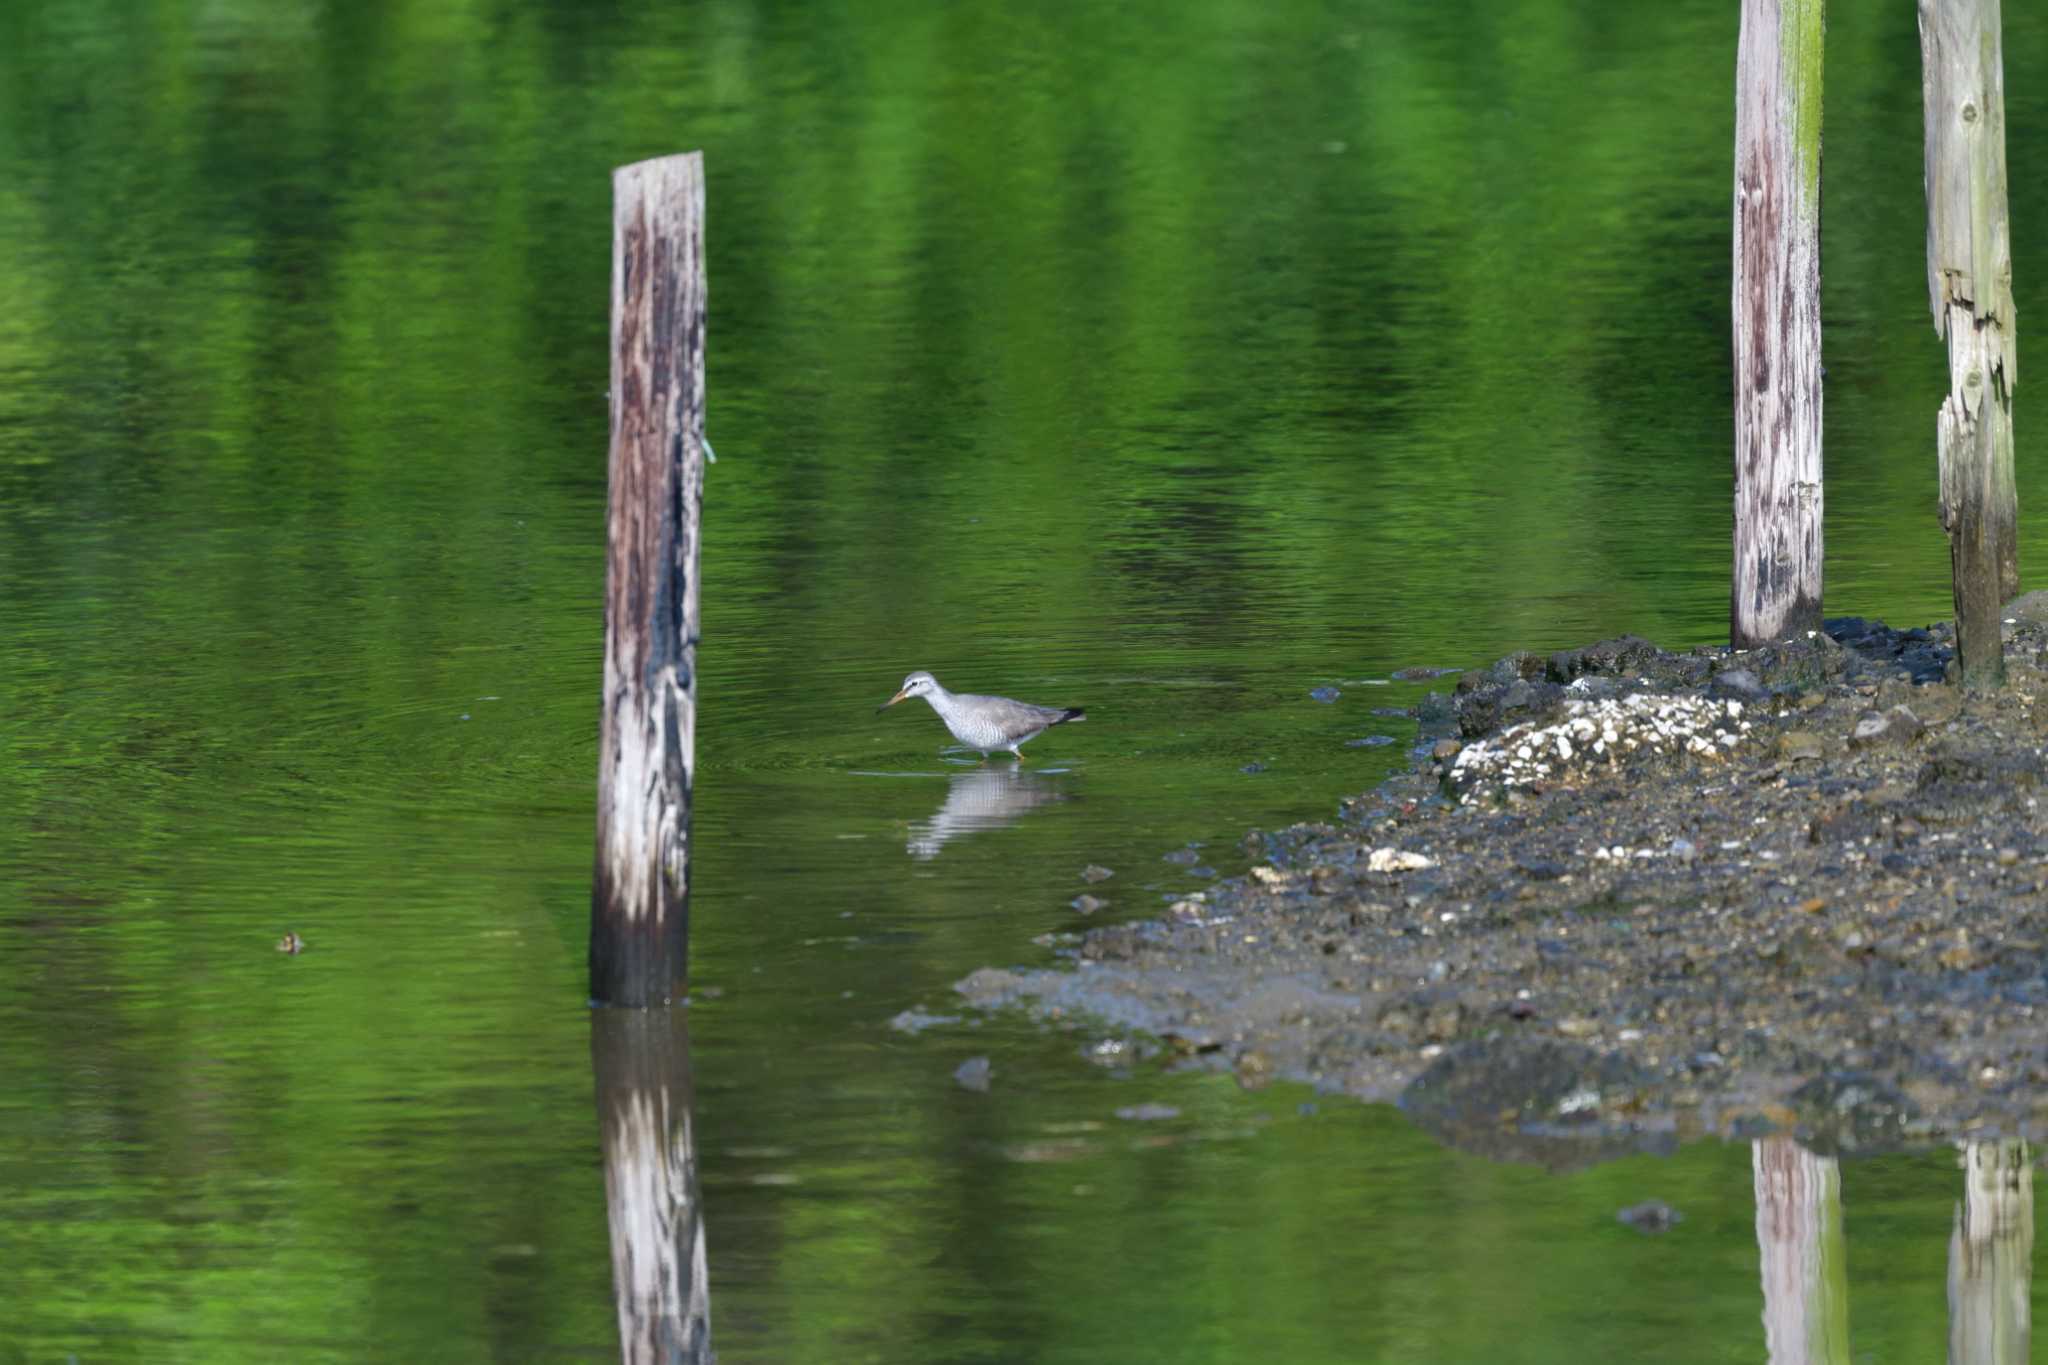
<point x="1777" y="580"/>
<point x="639" y="901"/>
<point x="1969" y="286"/>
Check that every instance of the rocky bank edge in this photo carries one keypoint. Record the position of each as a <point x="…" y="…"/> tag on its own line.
<point x="1798" y="888"/>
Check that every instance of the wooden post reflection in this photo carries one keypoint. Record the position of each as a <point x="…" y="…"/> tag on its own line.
<point x="641" y="1060"/>
<point x="1991" y="1257"/>
<point x="1799" y="1240"/>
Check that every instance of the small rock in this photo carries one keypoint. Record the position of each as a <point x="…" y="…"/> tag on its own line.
<point x="1254" y="1070"/>
<point x="1801" y="745"/>
<point x="1253" y="768"/>
<point x="973" y="1074"/>
<point x="1369" y="742"/>
<point x="1422" y="674"/>
<point x="1896" y="726"/>
<point x="1446" y="749"/>
<point x="1325" y="693"/>
<point x="1185" y="857"/>
<point x="1396" y="860"/>
<point x="1577" y="1026"/>
<point x="1393" y="712"/>
<point x="1541" y="869"/>
<point x="1683" y="850"/>
<point x="291" y="943"/>
<point x="1087" y="904"/>
<point x="1652" y="1216"/>
<point x="1092" y="873"/>
<point x="2008" y="856"/>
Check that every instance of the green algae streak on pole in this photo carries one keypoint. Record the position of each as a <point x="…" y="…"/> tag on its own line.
<point x="639" y="899"/>
<point x="1969" y="286"/>
<point x="1776" y="590"/>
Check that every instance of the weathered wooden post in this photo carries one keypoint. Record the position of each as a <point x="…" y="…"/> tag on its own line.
<point x="1799" y="1244"/>
<point x="1777" y="581"/>
<point x="1969" y="285"/>
<point x="639" y="901"/>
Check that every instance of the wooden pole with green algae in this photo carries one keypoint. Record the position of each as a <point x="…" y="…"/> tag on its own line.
<point x="1776" y="585"/>
<point x="1969" y="287"/>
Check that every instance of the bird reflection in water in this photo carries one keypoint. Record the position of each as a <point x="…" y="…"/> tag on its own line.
<point x="978" y="799"/>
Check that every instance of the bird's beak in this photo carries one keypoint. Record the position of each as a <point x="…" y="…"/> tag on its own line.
<point x="891" y="702"/>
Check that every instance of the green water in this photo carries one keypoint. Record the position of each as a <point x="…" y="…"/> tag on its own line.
<point x="1167" y="360"/>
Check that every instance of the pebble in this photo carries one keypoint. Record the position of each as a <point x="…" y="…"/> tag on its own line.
<point x="1369" y="742"/>
<point x="1325" y="693"/>
<point x="1093" y="873"/>
<point x="1800" y="745"/>
<point x="1396" y="860"/>
<point x="1896" y="726"/>
<point x="973" y="1074"/>
<point x="1087" y="904"/>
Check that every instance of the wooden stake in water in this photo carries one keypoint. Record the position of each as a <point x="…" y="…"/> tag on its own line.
<point x="1969" y="285"/>
<point x="639" y="904"/>
<point x="1777" y="580"/>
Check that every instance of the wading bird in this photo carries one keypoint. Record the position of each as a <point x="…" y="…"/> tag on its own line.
<point x="988" y="724"/>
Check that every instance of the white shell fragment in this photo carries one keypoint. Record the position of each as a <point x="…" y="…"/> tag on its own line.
<point x="1597" y="732"/>
<point x="1396" y="860"/>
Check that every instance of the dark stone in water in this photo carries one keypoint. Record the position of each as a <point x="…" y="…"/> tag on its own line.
<point x="1422" y="674"/>
<point x="1393" y="712"/>
<point x="1253" y="768"/>
<point x="1650" y="1216"/>
<point x="1186" y="857"/>
<point x="1325" y="693"/>
<point x="1541" y="869"/>
<point x="1369" y="742"/>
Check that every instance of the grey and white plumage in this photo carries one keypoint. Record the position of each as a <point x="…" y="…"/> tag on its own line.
<point x="988" y="724"/>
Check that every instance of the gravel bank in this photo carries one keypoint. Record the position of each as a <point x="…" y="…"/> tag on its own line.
<point x="1625" y="897"/>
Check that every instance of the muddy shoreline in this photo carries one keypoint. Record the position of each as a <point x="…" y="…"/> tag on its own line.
<point x="1624" y="897"/>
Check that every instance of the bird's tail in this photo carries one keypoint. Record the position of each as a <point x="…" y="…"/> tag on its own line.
<point x="1071" y="713"/>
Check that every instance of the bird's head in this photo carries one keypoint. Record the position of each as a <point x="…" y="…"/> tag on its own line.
<point x="919" y="684"/>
